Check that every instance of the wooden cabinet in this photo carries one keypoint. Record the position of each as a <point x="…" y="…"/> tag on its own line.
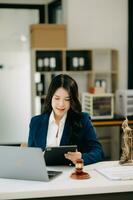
<point x="89" y="67"/>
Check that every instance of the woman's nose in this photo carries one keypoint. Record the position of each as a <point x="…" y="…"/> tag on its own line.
<point x="61" y="103"/>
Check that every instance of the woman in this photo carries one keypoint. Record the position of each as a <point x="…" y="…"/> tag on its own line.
<point x="63" y="123"/>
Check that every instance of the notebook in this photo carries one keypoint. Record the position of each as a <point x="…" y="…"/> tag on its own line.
<point x="117" y="172"/>
<point x="55" y="155"/>
<point x="25" y="163"/>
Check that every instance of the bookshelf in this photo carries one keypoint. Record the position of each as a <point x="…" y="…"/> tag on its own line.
<point x="89" y="67"/>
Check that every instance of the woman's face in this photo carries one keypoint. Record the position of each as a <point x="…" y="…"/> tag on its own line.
<point x="60" y="103"/>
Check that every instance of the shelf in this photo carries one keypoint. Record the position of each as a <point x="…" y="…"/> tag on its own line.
<point x="48" y="60"/>
<point x="78" y="72"/>
<point x="78" y="60"/>
<point x="89" y="67"/>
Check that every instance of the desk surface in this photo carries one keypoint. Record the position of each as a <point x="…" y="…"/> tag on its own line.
<point x="63" y="185"/>
<point x="116" y="121"/>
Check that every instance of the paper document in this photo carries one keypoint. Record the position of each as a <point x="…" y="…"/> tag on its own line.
<point x="117" y="172"/>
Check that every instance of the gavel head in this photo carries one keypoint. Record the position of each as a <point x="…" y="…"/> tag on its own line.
<point x="79" y="166"/>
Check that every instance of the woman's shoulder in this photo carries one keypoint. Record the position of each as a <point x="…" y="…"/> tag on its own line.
<point x="85" y="115"/>
<point x="39" y="117"/>
<point x="86" y="119"/>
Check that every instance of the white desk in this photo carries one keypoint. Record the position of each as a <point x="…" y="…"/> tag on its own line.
<point x="65" y="188"/>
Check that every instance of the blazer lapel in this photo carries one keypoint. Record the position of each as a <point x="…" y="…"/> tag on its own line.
<point x="43" y="131"/>
<point x="43" y="127"/>
<point x="65" y="138"/>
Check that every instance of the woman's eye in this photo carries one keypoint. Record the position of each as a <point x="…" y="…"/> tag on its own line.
<point x="56" y="98"/>
<point x="67" y="99"/>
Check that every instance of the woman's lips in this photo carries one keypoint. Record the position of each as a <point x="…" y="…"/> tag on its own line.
<point x="60" y="109"/>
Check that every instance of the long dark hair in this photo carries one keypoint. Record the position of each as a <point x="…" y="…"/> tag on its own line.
<point x="74" y="113"/>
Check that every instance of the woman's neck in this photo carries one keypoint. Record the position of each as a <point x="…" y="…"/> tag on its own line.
<point x="57" y="119"/>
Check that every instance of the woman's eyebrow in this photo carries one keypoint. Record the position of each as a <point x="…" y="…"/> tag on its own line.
<point x="67" y="97"/>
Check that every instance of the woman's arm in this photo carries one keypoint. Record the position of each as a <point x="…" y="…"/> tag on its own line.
<point x="89" y="148"/>
<point x="92" y="149"/>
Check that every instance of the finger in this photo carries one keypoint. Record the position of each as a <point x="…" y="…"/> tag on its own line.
<point x="71" y="153"/>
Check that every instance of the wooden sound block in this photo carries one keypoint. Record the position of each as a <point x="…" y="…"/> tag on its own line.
<point x="80" y="176"/>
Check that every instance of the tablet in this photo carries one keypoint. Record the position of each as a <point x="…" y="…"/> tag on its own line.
<point x="55" y="155"/>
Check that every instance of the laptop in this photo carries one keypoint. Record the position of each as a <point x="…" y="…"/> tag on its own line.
<point x="24" y="163"/>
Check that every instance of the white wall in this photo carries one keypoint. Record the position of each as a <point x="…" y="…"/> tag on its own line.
<point x="97" y="24"/>
<point x="15" y="90"/>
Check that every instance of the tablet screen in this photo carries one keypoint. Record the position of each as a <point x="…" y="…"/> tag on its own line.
<point x="55" y="155"/>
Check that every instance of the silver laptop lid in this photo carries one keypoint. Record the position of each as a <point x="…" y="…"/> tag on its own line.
<point x="24" y="163"/>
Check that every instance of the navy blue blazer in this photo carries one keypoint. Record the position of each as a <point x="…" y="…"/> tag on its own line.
<point x="87" y="142"/>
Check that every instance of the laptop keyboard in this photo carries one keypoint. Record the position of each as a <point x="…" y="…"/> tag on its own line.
<point x="52" y="174"/>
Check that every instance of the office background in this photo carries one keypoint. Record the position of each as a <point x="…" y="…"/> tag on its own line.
<point x="90" y="24"/>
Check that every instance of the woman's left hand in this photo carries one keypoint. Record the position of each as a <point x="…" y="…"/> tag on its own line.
<point x="73" y="156"/>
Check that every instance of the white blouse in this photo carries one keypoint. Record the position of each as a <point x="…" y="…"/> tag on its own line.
<point x="55" y="130"/>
